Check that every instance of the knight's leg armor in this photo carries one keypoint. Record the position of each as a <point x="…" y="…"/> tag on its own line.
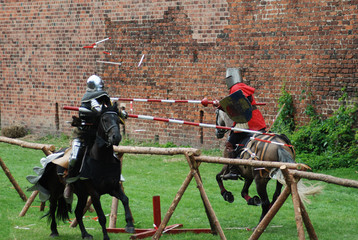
<point x="72" y="175"/>
<point x="233" y="171"/>
<point x="72" y="166"/>
<point x="76" y="145"/>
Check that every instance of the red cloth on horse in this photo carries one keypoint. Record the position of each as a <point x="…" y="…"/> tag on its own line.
<point x="257" y="122"/>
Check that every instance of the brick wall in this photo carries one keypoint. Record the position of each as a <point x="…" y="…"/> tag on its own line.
<point x="308" y="46"/>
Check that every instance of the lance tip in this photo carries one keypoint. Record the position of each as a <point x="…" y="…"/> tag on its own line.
<point x="205" y="102"/>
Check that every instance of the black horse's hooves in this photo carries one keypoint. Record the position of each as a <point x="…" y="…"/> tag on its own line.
<point x="88" y="237"/>
<point x="129" y="229"/>
<point x="228" y="197"/>
<point x="53" y="235"/>
<point x="255" y="201"/>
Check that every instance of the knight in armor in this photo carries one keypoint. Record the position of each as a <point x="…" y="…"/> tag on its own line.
<point x="237" y="140"/>
<point x="85" y="134"/>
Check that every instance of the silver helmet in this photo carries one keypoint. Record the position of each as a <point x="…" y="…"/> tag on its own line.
<point x="94" y="83"/>
<point x="233" y="76"/>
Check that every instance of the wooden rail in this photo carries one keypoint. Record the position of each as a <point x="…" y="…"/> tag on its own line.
<point x="25" y="144"/>
<point x="292" y="172"/>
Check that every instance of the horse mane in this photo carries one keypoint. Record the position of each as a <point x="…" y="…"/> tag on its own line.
<point x="228" y="121"/>
<point x="284" y="138"/>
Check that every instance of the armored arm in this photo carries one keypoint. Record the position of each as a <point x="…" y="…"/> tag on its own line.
<point x="95" y="106"/>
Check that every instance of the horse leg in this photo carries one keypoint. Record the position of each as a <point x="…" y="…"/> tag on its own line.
<point x="261" y="184"/>
<point x="127" y="212"/>
<point x="255" y="201"/>
<point x="276" y="193"/>
<point x="81" y="203"/>
<point x="53" y="207"/>
<point x="101" y="217"/>
<point x="228" y="196"/>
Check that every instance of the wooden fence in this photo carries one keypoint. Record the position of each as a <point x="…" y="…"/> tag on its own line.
<point x="292" y="173"/>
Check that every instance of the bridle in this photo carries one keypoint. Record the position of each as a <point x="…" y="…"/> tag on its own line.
<point x="106" y="127"/>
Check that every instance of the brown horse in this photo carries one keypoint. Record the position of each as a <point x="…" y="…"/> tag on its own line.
<point x="256" y="149"/>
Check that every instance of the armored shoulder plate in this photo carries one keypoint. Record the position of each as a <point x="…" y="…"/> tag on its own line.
<point x="89" y="95"/>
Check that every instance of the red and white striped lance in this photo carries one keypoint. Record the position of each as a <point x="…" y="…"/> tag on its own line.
<point x="205" y="102"/>
<point x="146" y="117"/>
<point x="81" y="109"/>
<point x="169" y="120"/>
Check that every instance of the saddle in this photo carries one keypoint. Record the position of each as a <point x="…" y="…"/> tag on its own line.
<point x="241" y="145"/>
<point x="63" y="163"/>
<point x="250" y="151"/>
<point x="64" y="160"/>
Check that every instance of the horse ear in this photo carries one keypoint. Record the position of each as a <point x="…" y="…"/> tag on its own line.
<point x="115" y="106"/>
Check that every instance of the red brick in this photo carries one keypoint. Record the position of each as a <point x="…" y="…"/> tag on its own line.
<point x="44" y="62"/>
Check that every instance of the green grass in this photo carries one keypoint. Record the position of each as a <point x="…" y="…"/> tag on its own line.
<point x="333" y="213"/>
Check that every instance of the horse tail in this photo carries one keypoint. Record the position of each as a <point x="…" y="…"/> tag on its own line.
<point x="304" y="189"/>
<point x="62" y="209"/>
<point x="59" y="208"/>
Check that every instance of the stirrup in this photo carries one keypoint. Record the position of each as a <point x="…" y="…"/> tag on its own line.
<point x="68" y="192"/>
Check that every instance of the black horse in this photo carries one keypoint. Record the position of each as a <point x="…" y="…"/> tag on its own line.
<point x="258" y="149"/>
<point x="100" y="175"/>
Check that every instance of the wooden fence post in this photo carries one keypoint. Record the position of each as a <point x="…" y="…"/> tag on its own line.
<point x="113" y="215"/>
<point x="291" y="182"/>
<point x="173" y="206"/>
<point x="13" y="181"/>
<point x="270" y="214"/>
<point x="214" y="222"/>
<point x="307" y="222"/>
<point x="28" y="203"/>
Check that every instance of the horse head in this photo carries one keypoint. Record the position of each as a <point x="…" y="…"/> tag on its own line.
<point x="108" y="127"/>
<point x="222" y="119"/>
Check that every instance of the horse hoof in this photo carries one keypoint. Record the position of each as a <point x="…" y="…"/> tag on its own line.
<point x="53" y="235"/>
<point x="255" y="201"/>
<point x="88" y="237"/>
<point x="129" y="229"/>
<point x="228" y="197"/>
